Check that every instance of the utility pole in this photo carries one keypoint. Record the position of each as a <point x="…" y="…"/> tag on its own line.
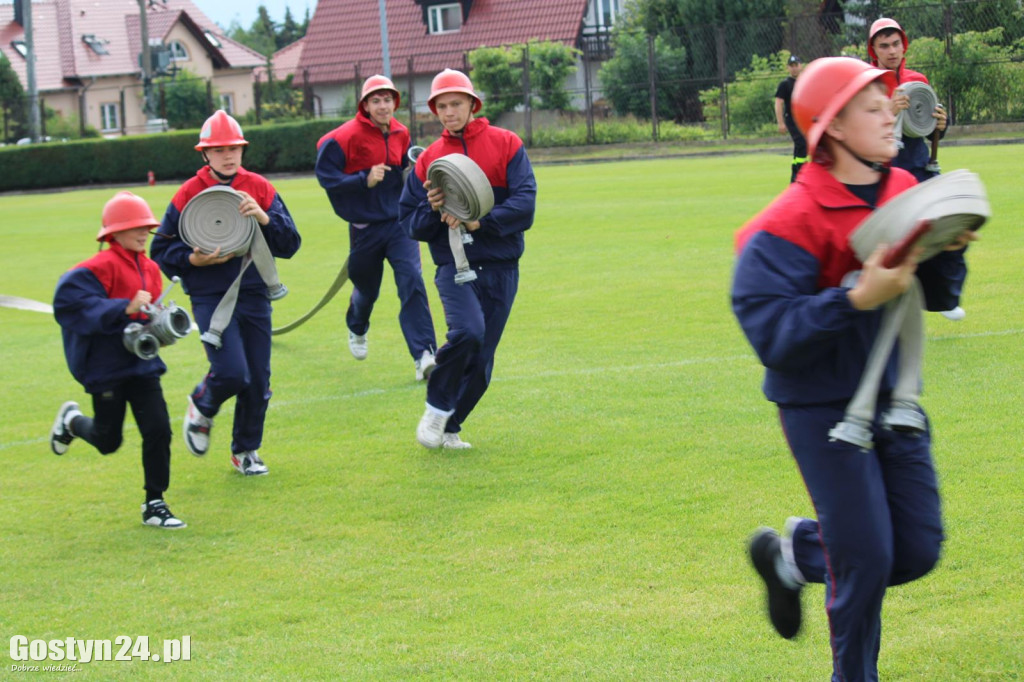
<point x="147" y="63"/>
<point x="385" y="53"/>
<point x="30" y="71"/>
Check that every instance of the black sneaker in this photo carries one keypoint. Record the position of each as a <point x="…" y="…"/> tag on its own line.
<point x="157" y="513"/>
<point x="783" y="602"/>
<point x="60" y="434"/>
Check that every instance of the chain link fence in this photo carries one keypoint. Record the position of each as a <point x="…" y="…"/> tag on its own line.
<point x="718" y="81"/>
<point x="697" y="82"/>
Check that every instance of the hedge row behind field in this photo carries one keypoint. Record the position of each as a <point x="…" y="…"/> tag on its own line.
<point x="282" y="148"/>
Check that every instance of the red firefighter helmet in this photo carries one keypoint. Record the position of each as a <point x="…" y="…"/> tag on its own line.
<point x="125" y="211"/>
<point x="378" y="82"/>
<point x="879" y="26"/>
<point x="451" y="80"/>
<point x="825" y="87"/>
<point x="220" y="130"/>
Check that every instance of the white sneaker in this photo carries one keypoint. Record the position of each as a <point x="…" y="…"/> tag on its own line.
<point x="357" y="344"/>
<point x="249" y="463"/>
<point x="430" y="432"/>
<point x="197" y="430"/>
<point x="60" y="434"/>
<point x="425" y="365"/>
<point x="956" y="314"/>
<point x="451" y="441"/>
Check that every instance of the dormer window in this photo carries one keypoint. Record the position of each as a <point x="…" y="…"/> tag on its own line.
<point x="445" y="18"/>
<point x="178" y="51"/>
<point x="20" y="47"/>
<point x="97" y="44"/>
<point x="212" y="39"/>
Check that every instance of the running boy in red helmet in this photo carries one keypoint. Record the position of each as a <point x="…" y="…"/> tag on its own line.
<point x="360" y="165"/>
<point x="812" y="311"/>
<point x="887" y="49"/>
<point x="93" y="303"/>
<point x="475" y="312"/>
<point x="240" y="368"/>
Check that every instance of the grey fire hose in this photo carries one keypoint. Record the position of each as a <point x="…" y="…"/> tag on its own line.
<point x="336" y="286"/>
<point x="339" y="281"/>
<point x="210" y="220"/>
<point x="468" y="196"/>
<point x="917" y="119"/>
<point x="953" y="203"/>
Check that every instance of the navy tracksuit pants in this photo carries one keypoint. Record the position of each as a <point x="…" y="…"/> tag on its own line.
<point x="105" y="429"/>
<point x="879" y="524"/>
<point x="368" y="248"/>
<point x="476" y="313"/>
<point x="240" y="368"/>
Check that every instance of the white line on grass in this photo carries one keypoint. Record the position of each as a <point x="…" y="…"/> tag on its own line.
<point x="580" y="371"/>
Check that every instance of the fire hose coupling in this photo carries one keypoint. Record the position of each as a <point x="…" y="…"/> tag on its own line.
<point x="210" y="220"/>
<point x="167" y="323"/>
<point x="853" y="430"/>
<point x="468" y="196"/>
<point x="906" y="416"/>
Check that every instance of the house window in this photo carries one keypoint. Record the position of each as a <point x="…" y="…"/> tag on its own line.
<point x="20" y="47"/>
<point x="178" y="52"/>
<point x="212" y="39"/>
<point x="110" y="117"/>
<point x="445" y="18"/>
<point x="227" y="102"/>
<point x="609" y="12"/>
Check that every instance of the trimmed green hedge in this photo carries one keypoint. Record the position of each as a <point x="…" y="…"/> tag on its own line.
<point x="280" y="148"/>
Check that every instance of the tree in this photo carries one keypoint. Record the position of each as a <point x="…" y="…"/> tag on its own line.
<point x="498" y="73"/>
<point x="698" y="38"/>
<point x="266" y="36"/>
<point x="290" y="31"/>
<point x="186" y="100"/>
<point x="12" y="103"/>
<point x="278" y="100"/>
<point x="626" y="76"/>
<point x="551" y="63"/>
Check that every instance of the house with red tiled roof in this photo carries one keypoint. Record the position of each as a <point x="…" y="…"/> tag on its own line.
<point x="344" y="40"/>
<point x="88" y="57"/>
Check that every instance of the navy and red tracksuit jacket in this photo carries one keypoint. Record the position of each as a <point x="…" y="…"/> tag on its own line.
<point x="915" y="153"/>
<point x="89" y="304"/>
<point x="343" y="160"/>
<point x="171" y="253"/>
<point x="790" y="299"/>
<point x="502" y="157"/>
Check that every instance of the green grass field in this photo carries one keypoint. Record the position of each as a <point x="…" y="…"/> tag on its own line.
<point x="596" y="530"/>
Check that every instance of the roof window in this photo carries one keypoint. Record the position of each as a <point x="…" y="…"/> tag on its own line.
<point x="97" y="44"/>
<point x="445" y="18"/>
<point x="20" y="47"/>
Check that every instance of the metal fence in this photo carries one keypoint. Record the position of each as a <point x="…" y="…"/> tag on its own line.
<point x="690" y="82"/>
<point x="718" y="81"/>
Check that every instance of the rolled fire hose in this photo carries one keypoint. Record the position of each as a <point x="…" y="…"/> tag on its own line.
<point x="953" y="203"/>
<point x="468" y="196"/>
<point x="339" y="281"/>
<point x="210" y="220"/>
<point x="917" y="119"/>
